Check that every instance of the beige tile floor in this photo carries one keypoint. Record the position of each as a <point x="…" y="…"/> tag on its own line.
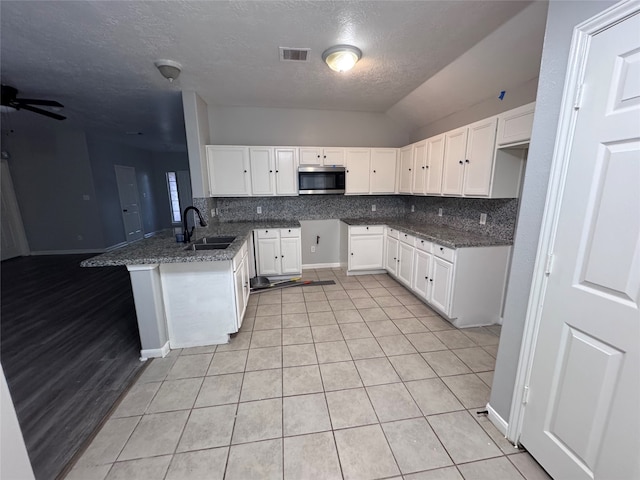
<point x="357" y="380"/>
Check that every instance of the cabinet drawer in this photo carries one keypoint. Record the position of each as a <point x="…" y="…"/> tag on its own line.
<point x="424" y="245"/>
<point x="406" y="238"/>
<point x="364" y="230"/>
<point x="393" y="233"/>
<point x="289" y="232"/>
<point x="268" y="233"/>
<point x="444" y="252"/>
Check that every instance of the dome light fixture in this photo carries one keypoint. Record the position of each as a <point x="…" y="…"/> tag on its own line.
<point x="169" y="69"/>
<point x="341" y="58"/>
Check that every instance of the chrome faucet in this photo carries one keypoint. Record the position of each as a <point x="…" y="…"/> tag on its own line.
<point x="185" y="219"/>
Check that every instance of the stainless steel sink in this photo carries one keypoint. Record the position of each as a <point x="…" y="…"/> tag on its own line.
<point x="211" y="243"/>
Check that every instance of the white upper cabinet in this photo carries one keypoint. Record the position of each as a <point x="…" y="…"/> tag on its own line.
<point x="262" y="171"/>
<point x="479" y="160"/>
<point x="273" y="171"/>
<point x="286" y="163"/>
<point x="383" y="170"/>
<point x="322" y="156"/>
<point x="419" y="167"/>
<point x="358" y="168"/>
<point x="514" y="126"/>
<point x="228" y="171"/>
<point x="455" y="144"/>
<point x="435" y="161"/>
<point x="405" y="175"/>
<point x="468" y="159"/>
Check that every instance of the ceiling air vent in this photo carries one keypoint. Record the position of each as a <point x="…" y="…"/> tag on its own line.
<point x="294" y="54"/>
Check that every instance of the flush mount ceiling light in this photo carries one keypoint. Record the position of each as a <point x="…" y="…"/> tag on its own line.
<point x="341" y="57"/>
<point x="169" y="69"/>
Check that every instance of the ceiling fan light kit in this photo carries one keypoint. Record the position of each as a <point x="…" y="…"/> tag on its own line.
<point x="169" y="69"/>
<point x="341" y="58"/>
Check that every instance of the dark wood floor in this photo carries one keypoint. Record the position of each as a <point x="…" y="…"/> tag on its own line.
<point x="69" y="347"/>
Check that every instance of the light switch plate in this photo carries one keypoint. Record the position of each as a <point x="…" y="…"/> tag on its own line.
<point x="483" y="218"/>
<point x="259" y="210"/>
<point x="439" y="212"/>
<point x="373" y="208"/>
<point x="413" y="208"/>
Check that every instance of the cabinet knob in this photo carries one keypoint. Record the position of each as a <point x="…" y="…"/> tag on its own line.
<point x="431" y="279"/>
<point x="245" y="171"/>
<point x="352" y="253"/>
<point x="426" y="278"/>
<point x="276" y="257"/>
<point x="466" y="161"/>
<point x="409" y="169"/>
<point x="289" y="230"/>
<point x="347" y="171"/>
<point x="460" y="162"/>
<point x="367" y="228"/>
<point x="266" y="231"/>
<point x="423" y="167"/>
<point x="374" y="171"/>
<point x="441" y="249"/>
<point x="324" y="156"/>
<point x="277" y="171"/>
<point x="427" y="166"/>
<point x="318" y="156"/>
<point x="281" y="256"/>
<point x="270" y="171"/>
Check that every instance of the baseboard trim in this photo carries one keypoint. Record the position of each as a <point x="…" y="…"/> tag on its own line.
<point x="499" y="422"/>
<point x="321" y="265"/>
<point x="155" y="352"/>
<point x="366" y="272"/>
<point x="67" y="252"/>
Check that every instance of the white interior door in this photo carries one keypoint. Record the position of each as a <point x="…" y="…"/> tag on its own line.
<point x="14" y="240"/>
<point x="582" y="418"/>
<point x="129" y="202"/>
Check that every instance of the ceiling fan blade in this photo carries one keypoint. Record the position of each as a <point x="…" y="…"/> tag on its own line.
<point x="41" y="112"/>
<point x="34" y="101"/>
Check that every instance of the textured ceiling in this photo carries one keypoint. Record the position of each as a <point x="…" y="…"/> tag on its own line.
<point x="97" y="57"/>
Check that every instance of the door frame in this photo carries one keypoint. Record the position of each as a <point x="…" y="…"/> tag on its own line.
<point x="14" y="209"/>
<point x="570" y="106"/>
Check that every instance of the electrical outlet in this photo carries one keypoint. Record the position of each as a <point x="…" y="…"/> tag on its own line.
<point x="413" y="208"/>
<point x="259" y="210"/>
<point x="213" y="212"/>
<point x="313" y="249"/>
<point x="80" y="238"/>
<point x="373" y="208"/>
<point x="483" y="218"/>
<point x="86" y="197"/>
<point x="439" y="212"/>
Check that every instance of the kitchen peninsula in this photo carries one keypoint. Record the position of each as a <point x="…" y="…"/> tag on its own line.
<point x="187" y="298"/>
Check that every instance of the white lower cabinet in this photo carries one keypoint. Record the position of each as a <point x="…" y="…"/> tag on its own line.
<point x="366" y="248"/>
<point x="278" y="251"/>
<point x="205" y="302"/>
<point x="466" y="285"/>
<point x="405" y="259"/>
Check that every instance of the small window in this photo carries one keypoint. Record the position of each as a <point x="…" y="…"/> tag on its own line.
<point x="172" y="185"/>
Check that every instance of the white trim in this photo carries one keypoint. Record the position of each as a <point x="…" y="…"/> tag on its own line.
<point x="155" y="352"/>
<point x="321" y="265"/>
<point x="66" y="252"/>
<point x="499" y="422"/>
<point x="564" y="139"/>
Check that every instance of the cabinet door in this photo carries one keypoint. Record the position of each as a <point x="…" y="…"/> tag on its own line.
<point x="406" y="165"/>
<point x="290" y="255"/>
<point x="455" y="143"/>
<point x="358" y="162"/>
<point x="383" y="170"/>
<point x="262" y="171"/>
<point x="333" y="156"/>
<point x="366" y="252"/>
<point x="479" y="162"/>
<point x="310" y="156"/>
<point x="435" y="160"/>
<point x="238" y="280"/>
<point x="441" y="281"/>
<point x="421" y="273"/>
<point x="419" y="167"/>
<point x="229" y="171"/>
<point x="269" y="256"/>
<point x="515" y="125"/>
<point x="286" y="171"/>
<point x="405" y="263"/>
<point x="391" y="255"/>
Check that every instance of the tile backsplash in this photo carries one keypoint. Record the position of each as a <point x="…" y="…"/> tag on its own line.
<point x="459" y="213"/>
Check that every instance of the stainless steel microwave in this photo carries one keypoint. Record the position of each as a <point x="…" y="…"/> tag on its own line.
<point x="321" y="180"/>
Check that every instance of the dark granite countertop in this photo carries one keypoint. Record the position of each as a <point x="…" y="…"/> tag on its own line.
<point x="440" y="234"/>
<point x="163" y="248"/>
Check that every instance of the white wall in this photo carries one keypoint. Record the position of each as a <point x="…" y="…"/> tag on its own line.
<point x="51" y="171"/>
<point x="14" y="461"/>
<point x="196" y="124"/>
<point x="515" y="97"/>
<point x="287" y="126"/>
<point x="561" y="19"/>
